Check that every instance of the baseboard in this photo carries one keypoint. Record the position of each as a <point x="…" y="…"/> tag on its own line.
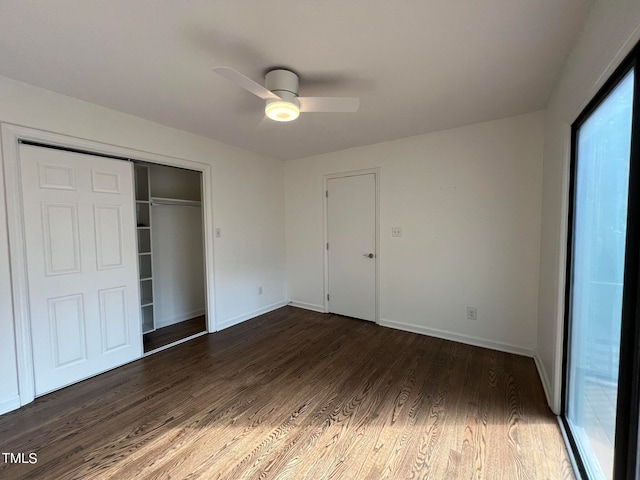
<point x="456" y="337"/>
<point x="249" y="315"/>
<point x="12" y="403"/>
<point x="307" y="306"/>
<point x="546" y="384"/>
<point x="165" y="322"/>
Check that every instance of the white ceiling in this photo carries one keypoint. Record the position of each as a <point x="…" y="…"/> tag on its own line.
<point x="417" y="65"/>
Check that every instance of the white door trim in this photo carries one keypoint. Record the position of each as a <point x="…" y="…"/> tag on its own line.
<point x="11" y="136"/>
<point x="325" y="179"/>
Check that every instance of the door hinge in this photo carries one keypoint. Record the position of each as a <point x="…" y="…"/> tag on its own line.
<point x="326" y="193"/>
<point x="327" y="297"/>
<point x="327" y="245"/>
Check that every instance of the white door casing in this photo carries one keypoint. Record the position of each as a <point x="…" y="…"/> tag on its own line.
<point x="79" y="225"/>
<point x="352" y="251"/>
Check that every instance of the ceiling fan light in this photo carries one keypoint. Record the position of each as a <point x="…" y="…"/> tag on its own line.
<point x="281" y="111"/>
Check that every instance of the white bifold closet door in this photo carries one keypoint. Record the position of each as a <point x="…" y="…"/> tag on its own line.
<point x="81" y="260"/>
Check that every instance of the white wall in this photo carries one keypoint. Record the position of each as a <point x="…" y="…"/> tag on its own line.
<point x="9" y="394"/>
<point x="171" y="182"/>
<point x="610" y="33"/>
<point x="178" y="263"/>
<point x="468" y="201"/>
<point x="247" y="203"/>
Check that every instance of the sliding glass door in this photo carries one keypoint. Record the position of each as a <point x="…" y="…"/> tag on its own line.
<point x="601" y="183"/>
<point x="601" y="388"/>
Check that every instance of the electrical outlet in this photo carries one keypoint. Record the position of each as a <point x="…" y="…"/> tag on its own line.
<point x="396" y="232"/>
<point x="259" y="290"/>
<point x="218" y="232"/>
<point x="472" y="313"/>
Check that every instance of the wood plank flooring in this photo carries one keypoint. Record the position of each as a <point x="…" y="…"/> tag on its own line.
<point x="166" y="335"/>
<point x="297" y="395"/>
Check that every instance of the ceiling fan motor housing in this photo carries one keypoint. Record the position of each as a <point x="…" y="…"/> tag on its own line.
<point x="283" y="83"/>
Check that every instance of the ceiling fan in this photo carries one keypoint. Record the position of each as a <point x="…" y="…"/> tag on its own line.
<point x="281" y="95"/>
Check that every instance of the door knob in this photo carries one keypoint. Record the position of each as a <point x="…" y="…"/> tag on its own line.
<point x="370" y="255"/>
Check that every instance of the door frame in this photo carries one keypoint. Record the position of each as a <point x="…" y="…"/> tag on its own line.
<point x="11" y="137"/>
<point x="325" y="204"/>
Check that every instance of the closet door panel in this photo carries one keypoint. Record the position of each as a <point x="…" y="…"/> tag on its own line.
<point x="109" y="242"/>
<point x="114" y="318"/>
<point x="68" y="330"/>
<point x="82" y="266"/>
<point x="61" y="238"/>
<point x="105" y="182"/>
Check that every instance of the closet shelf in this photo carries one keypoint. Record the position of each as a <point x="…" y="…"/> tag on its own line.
<point x="175" y="201"/>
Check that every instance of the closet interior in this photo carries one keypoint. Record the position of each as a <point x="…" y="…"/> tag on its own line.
<point x="170" y="254"/>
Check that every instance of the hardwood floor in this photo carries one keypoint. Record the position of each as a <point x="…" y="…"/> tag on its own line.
<point x="166" y="335"/>
<point x="297" y="395"/>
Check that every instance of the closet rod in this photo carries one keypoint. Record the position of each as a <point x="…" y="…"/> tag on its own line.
<point x="175" y="201"/>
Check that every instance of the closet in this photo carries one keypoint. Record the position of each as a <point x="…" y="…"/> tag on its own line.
<point x="108" y="261"/>
<point x="170" y="254"/>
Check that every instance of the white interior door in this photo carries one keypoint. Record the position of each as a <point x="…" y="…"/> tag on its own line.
<point x="81" y="263"/>
<point x="351" y="234"/>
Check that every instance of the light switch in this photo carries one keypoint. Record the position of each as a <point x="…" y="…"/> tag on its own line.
<point x="218" y="232"/>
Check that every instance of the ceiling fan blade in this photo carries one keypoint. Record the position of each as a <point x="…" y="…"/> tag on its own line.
<point x="245" y="82"/>
<point x="329" y="104"/>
